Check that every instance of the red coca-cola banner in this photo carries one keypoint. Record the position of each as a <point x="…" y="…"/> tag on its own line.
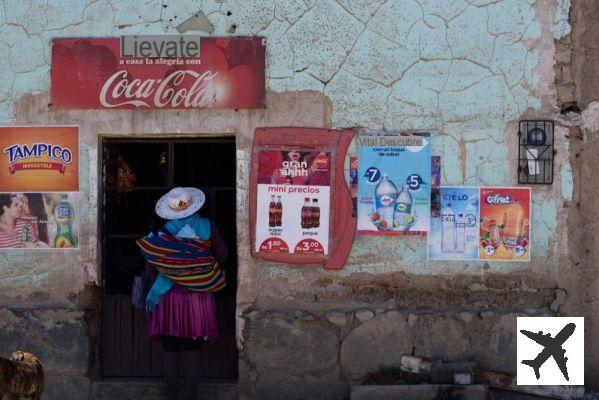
<point x="90" y="73"/>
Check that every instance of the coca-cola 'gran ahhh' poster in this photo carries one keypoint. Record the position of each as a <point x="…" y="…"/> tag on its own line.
<point x="293" y="202"/>
<point x="91" y="73"/>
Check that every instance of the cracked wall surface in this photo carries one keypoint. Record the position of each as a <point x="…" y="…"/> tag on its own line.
<point x="467" y="70"/>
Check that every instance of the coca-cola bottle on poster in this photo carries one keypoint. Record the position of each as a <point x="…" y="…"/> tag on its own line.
<point x="279" y="212"/>
<point x="315" y="214"/>
<point x="272" y="218"/>
<point x="306" y="214"/>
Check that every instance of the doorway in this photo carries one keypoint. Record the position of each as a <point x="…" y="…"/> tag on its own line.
<point x="135" y="174"/>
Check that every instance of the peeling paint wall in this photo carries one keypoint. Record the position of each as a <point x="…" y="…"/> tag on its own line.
<point x="465" y="70"/>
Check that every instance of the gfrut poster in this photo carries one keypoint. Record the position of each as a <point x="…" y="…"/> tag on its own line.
<point x="454" y="232"/>
<point x="394" y="183"/>
<point x="293" y="201"/>
<point x="504" y="224"/>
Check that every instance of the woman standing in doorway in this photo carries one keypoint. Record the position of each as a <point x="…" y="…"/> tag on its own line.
<point x="183" y="311"/>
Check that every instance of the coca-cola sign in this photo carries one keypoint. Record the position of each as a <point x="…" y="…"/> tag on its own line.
<point x="90" y="73"/>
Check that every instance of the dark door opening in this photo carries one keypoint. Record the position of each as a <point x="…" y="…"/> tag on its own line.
<point x="127" y="213"/>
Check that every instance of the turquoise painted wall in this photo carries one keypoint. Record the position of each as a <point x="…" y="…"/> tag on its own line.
<point x="466" y="70"/>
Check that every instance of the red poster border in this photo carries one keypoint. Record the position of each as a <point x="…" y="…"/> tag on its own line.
<point x="342" y="225"/>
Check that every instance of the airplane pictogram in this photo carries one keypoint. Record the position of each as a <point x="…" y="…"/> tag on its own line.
<point x="552" y="348"/>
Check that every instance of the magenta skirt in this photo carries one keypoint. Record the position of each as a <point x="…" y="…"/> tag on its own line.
<point x="184" y="315"/>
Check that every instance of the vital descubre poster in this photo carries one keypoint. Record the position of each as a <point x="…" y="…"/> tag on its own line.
<point x="454" y="232"/>
<point x="394" y="184"/>
<point x="293" y="201"/>
<point x="504" y="224"/>
<point x="39" y="220"/>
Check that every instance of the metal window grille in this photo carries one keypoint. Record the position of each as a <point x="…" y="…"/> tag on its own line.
<point x="535" y="160"/>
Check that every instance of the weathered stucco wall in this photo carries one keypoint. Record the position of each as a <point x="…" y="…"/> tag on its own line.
<point x="465" y="70"/>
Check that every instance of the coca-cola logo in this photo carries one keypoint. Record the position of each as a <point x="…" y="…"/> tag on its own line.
<point x="499" y="199"/>
<point x="119" y="90"/>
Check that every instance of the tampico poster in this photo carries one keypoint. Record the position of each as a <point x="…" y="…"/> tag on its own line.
<point x="39" y="159"/>
<point x="293" y="201"/>
<point x="394" y="184"/>
<point x="504" y="224"/>
<point x="454" y="232"/>
<point x="39" y="220"/>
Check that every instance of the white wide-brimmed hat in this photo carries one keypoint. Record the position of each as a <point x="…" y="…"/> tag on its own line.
<point x="180" y="203"/>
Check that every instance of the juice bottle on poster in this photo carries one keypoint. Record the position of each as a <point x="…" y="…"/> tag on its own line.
<point x="385" y="195"/>
<point x="272" y="217"/>
<point x="460" y="231"/>
<point x="278" y="212"/>
<point x="524" y="239"/>
<point x="512" y="230"/>
<point x="402" y="216"/>
<point x="353" y="179"/>
<point x="63" y="214"/>
<point x="495" y="233"/>
<point x="306" y="214"/>
<point x="315" y="214"/>
<point x="25" y="234"/>
<point x="448" y="229"/>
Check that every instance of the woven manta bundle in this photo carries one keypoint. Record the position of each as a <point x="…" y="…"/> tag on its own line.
<point x="188" y="262"/>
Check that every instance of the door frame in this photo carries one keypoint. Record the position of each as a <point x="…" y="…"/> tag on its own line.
<point x="143" y="138"/>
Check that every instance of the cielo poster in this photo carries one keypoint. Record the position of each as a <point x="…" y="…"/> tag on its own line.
<point x="454" y="232"/>
<point x="293" y="201"/>
<point x="39" y="159"/>
<point x="39" y="220"/>
<point x="394" y="183"/>
<point x="504" y="223"/>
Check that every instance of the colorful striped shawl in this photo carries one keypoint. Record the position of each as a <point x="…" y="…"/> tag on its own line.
<point x="188" y="262"/>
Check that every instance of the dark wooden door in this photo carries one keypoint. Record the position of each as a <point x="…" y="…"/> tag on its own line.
<point x="127" y="213"/>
